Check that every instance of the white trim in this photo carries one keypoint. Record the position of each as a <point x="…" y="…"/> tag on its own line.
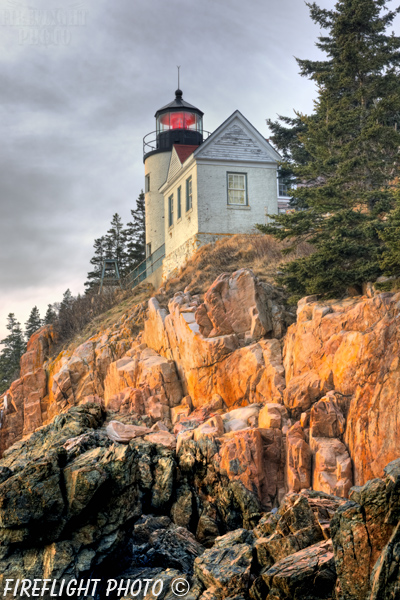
<point x="251" y="130"/>
<point x="246" y="198"/>
<point x="244" y="164"/>
<point x="238" y="207"/>
<point x="167" y="184"/>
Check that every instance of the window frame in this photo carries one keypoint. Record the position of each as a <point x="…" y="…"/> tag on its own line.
<point x="284" y="195"/>
<point x="246" y="197"/>
<point x="171" y="210"/>
<point x="147" y="183"/>
<point x="179" y="203"/>
<point x="278" y="185"/>
<point x="189" y="196"/>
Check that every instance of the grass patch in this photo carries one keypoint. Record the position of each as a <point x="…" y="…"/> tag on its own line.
<point x="263" y="254"/>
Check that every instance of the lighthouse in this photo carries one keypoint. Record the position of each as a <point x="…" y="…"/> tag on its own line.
<point x="201" y="187"/>
<point x="177" y="123"/>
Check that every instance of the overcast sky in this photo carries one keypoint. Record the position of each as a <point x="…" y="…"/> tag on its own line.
<point x="80" y="83"/>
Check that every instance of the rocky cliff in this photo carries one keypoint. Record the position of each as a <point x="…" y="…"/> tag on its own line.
<point x="219" y="442"/>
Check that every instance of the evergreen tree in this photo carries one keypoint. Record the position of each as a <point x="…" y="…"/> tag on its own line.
<point x="14" y="348"/>
<point x="65" y="323"/>
<point x="33" y="323"/>
<point x="115" y="241"/>
<point x="112" y="245"/>
<point x="135" y="235"/>
<point x="51" y="316"/>
<point x="344" y="157"/>
<point x="93" y="277"/>
<point x="390" y="261"/>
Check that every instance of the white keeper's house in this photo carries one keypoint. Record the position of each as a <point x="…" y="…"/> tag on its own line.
<point x="200" y="187"/>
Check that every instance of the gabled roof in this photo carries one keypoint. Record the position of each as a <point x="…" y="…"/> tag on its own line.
<point x="237" y="139"/>
<point x="180" y="153"/>
<point x="185" y="150"/>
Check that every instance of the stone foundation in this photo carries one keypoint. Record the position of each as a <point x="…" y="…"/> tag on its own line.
<point x="179" y="257"/>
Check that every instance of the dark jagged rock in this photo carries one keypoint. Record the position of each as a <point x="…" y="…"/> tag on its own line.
<point x="308" y="574"/>
<point x="226" y="567"/>
<point x="70" y="496"/>
<point x="300" y="522"/>
<point x="156" y="541"/>
<point x="365" y="539"/>
<point x="74" y="503"/>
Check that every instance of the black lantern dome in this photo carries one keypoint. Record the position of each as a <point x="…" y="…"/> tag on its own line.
<point x="176" y="123"/>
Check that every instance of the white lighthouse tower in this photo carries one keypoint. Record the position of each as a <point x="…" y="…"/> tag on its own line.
<point x="176" y="123"/>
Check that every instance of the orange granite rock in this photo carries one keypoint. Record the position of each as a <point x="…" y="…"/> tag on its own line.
<point x="207" y="366"/>
<point x="298" y="459"/>
<point x="327" y="419"/>
<point x="38" y="349"/>
<point x="353" y="346"/>
<point x="254" y="457"/>
<point x="24" y="404"/>
<point x="240" y="304"/>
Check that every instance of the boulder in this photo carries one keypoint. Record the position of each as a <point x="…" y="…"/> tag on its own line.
<point x="303" y="390"/>
<point x="327" y="419"/>
<point x="162" y="437"/>
<point x="272" y="416"/>
<point x="296" y="527"/>
<point x="364" y="531"/>
<point x="238" y="304"/>
<point x="213" y="427"/>
<point x="298" y="459"/>
<point x="254" y="457"/>
<point x="156" y="542"/>
<point x="157" y="408"/>
<point x="126" y="401"/>
<point x="177" y="412"/>
<point x="200" y="415"/>
<point x="146" y="369"/>
<point x="240" y="418"/>
<point x="119" y="432"/>
<point x="226" y="567"/>
<point x="333" y="471"/>
<point x="309" y="573"/>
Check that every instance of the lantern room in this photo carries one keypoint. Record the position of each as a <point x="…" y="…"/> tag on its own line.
<point x="176" y="123"/>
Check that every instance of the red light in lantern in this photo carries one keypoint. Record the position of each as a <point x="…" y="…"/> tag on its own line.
<point x="177" y="120"/>
<point x="190" y="120"/>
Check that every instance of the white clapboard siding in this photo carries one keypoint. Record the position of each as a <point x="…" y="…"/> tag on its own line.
<point x="236" y="144"/>
<point x="174" y="166"/>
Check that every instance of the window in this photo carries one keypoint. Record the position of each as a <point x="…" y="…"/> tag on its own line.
<point x="237" y="188"/>
<point x="170" y="211"/>
<point x="283" y="186"/>
<point x="147" y="183"/>
<point x="189" y="196"/>
<point x="283" y="189"/>
<point x="148" y="250"/>
<point x="179" y="203"/>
